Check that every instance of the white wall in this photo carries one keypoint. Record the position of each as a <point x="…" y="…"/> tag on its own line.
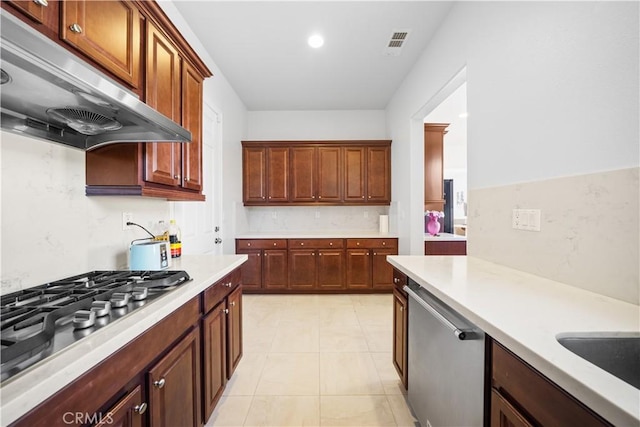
<point x="312" y="125"/>
<point x="51" y="230"/>
<point x="552" y="91"/>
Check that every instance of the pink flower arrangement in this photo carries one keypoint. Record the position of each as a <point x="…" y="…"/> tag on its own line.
<point x="434" y="215"/>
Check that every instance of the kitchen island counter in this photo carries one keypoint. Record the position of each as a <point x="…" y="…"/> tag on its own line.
<point x="525" y="312"/>
<point x="26" y="390"/>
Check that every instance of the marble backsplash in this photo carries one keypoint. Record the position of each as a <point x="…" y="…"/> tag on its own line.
<point x="50" y="229"/>
<point x="589" y="235"/>
<point x="303" y="218"/>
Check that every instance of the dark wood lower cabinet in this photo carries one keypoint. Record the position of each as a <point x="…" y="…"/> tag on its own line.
<point x="382" y="271"/>
<point x="522" y="396"/>
<point x="171" y="375"/>
<point x="303" y="272"/>
<point x="214" y="328"/>
<point x="174" y="385"/>
<point x="234" y="330"/>
<point x="358" y="269"/>
<point x="400" y="331"/>
<point x="275" y="269"/>
<point x="330" y="269"/>
<point x="128" y="412"/>
<point x="252" y="269"/>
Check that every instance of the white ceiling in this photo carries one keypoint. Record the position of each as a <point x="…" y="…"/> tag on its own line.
<point x="261" y="48"/>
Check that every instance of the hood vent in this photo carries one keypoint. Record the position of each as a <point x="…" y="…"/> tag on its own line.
<point x="396" y="42"/>
<point x="48" y="93"/>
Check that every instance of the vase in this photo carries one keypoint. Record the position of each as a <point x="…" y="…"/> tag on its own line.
<point x="433" y="226"/>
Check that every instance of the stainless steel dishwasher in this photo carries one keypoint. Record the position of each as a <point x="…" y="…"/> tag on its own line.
<point x="446" y="363"/>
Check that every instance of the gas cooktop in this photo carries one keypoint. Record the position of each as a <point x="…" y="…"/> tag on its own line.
<point x="40" y="321"/>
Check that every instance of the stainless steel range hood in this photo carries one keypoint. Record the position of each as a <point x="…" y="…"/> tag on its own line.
<point x="48" y="93"/>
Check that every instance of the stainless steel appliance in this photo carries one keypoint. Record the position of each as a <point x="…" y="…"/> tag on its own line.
<point x="48" y="93"/>
<point x="446" y="363"/>
<point x="40" y="321"/>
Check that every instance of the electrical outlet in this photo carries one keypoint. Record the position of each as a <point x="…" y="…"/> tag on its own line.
<point x="515" y="219"/>
<point x="126" y="217"/>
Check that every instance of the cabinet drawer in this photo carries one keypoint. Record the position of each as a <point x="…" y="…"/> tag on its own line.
<point x="316" y="243"/>
<point x="261" y="244"/>
<point x="400" y="281"/>
<point x="543" y="400"/>
<point x="372" y="243"/>
<point x="216" y="292"/>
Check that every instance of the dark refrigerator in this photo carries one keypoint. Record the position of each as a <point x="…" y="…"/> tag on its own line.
<point x="448" y="206"/>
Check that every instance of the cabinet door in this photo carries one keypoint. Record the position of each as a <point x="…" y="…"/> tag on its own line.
<point x="214" y="327"/>
<point x="400" y="330"/>
<point x="162" y="92"/>
<point x="174" y="385"/>
<point x="505" y="415"/>
<point x="303" y="174"/>
<point x="379" y="174"/>
<point x="330" y="269"/>
<point x="274" y="269"/>
<point x="234" y="330"/>
<point x="192" y="121"/>
<point x="433" y="165"/>
<point x="358" y="269"/>
<point x="252" y="269"/>
<point x="32" y="9"/>
<point x="302" y="269"/>
<point x="328" y="183"/>
<point x="354" y="174"/>
<point x="382" y="272"/>
<point x="128" y="412"/>
<point x="254" y="175"/>
<point x="277" y="174"/>
<point x="106" y="31"/>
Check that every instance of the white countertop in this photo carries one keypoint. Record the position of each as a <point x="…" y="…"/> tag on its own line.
<point x="525" y="312"/>
<point x="31" y="387"/>
<point x="320" y="234"/>
<point x="444" y="237"/>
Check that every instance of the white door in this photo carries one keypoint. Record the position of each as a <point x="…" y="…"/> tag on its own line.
<point x="200" y="221"/>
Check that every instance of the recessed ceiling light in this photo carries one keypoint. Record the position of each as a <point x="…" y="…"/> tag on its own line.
<point x="315" y="41"/>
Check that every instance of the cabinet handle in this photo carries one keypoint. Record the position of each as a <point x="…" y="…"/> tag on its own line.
<point x="401" y="308"/>
<point x="395" y="280"/>
<point x="75" y="28"/>
<point x="225" y="310"/>
<point x="43" y="3"/>
<point x="140" y="409"/>
<point x="228" y="285"/>
<point x="159" y="383"/>
<point x="233" y="303"/>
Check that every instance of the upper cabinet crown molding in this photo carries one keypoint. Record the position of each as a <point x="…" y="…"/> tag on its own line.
<point x="316" y="172"/>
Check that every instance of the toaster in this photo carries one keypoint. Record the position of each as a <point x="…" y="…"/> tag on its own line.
<point x="153" y="255"/>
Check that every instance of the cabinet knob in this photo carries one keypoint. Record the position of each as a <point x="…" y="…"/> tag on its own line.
<point x="384" y="243"/>
<point x="43" y="3"/>
<point x="225" y="310"/>
<point x="313" y="253"/>
<point x="263" y="197"/>
<point x="395" y="280"/>
<point x="228" y="285"/>
<point x="186" y="179"/>
<point x="302" y="244"/>
<point x="269" y="196"/>
<point x="159" y="383"/>
<point x="275" y="244"/>
<point x="363" y="197"/>
<point x="140" y="409"/>
<point x="357" y="243"/>
<point x="319" y="197"/>
<point x="375" y="253"/>
<point x="369" y="196"/>
<point x="233" y="303"/>
<point x="248" y="244"/>
<point x="401" y="308"/>
<point x="176" y="176"/>
<point x="330" y="243"/>
<point x="75" y="28"/>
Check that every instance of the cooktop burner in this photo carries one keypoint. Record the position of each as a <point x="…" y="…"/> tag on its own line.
<point x="40" y="321"/>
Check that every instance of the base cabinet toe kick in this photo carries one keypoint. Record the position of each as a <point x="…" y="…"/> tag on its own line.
<point x="171" y="375"/>
<point x="458" y="375"/>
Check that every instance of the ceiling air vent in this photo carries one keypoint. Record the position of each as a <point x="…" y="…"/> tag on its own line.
<point x="396" y="42"/>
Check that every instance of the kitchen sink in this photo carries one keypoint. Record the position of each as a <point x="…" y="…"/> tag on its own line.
<point x="616" y="353"/>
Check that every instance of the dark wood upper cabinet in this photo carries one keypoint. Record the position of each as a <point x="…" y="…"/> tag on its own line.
<point x="106" y="31"/>
<point x="163" y="86"/>
<point x="316" y="172"/>
<point x="434" y="165"/>
<point x="192" y="121"/>
<point x="277" y="174"/>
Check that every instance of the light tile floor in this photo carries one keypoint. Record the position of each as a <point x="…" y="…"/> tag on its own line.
<point x="315" y="360"/>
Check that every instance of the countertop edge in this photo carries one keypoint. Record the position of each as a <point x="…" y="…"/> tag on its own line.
<point x="26" y="391"/>
<point x="625" y="413"/>
<point x="324" y="234"/>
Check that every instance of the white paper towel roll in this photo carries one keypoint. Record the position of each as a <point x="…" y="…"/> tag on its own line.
<point x="384" y="223"/>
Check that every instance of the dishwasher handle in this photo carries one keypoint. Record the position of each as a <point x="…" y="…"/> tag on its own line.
<point x="459" y="333"/>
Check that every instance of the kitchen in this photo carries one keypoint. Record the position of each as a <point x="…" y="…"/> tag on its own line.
<point x="560" y="78"/>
